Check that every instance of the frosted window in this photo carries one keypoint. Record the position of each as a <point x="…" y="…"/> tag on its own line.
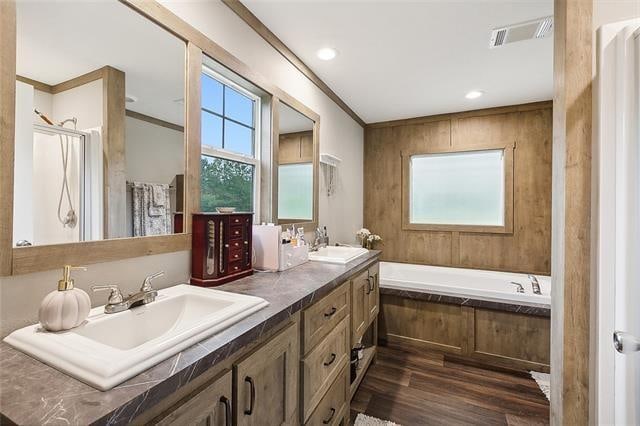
<point x="462" y="188"/>
<point x="295" y="191"/>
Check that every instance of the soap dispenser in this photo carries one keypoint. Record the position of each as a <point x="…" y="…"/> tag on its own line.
<point x="66" y="307"/>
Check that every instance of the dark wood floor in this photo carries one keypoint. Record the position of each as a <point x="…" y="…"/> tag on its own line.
<point x="412" y="387"/>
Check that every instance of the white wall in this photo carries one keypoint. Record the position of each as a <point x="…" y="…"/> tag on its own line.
<point x="340" y="135"/>
<point x="20" y="296"/>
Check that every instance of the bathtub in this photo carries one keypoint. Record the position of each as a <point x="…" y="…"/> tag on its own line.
<point x="469" y="283"/>
<point x="471" y="314"/>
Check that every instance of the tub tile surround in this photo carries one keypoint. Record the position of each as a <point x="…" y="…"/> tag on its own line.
<point x="430" y="296"/>
<point x="32" y="392"/>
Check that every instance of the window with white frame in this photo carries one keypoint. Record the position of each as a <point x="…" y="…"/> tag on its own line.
<point x="458" y="188"/>
<point x="230" y="161"/>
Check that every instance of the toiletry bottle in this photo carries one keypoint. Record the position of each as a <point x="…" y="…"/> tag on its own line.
<point x="65" y="308"/>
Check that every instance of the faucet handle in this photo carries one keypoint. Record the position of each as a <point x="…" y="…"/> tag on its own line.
<point x="115" y="296"/>
<point x="146" y="284"/>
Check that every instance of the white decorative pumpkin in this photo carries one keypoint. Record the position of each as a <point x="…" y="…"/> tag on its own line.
<point x="65" y="308"/>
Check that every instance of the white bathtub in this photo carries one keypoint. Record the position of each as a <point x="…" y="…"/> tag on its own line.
<point x="470" y="283"/>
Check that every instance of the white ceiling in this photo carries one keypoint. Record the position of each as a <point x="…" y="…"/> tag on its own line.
<point x="60" y="40"/>
<point x="292" y="121"/>
<point x="402" y="59"/>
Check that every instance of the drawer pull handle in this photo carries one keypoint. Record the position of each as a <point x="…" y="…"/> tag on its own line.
<point x="227" y="410"/>
<point x="331" y="312"/>
<point x="370" y="286"/>
<point x="253" y="395"/>
<point x="333" y="413"/>
<point x="333" y="358"/>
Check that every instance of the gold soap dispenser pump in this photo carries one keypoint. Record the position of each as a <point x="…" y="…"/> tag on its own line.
<point x="67" y="307"/>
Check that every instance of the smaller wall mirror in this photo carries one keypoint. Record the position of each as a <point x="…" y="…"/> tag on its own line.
<point x="296" y="167"/>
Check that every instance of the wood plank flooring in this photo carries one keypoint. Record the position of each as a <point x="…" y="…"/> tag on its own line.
<point x="411" y="387"/>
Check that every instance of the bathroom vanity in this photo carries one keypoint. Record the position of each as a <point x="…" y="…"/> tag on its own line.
<point x="286" y="364"/>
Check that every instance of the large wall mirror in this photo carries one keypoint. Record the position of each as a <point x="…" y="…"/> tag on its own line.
<point x="100" y="107"/>
<point x="297" y="167"/>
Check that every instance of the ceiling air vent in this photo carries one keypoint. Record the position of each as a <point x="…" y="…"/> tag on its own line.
<point x="538" y="28"/>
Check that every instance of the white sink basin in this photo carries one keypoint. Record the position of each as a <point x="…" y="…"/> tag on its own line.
<point x="337" y="254"/>
<point x="111" y="348"/>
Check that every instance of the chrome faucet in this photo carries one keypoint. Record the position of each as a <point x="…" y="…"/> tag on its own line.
<point x="535" y="284"/>
<point x="118" y="303"/>
<point x="321" y="239"/>
<point x="519" y="287"/>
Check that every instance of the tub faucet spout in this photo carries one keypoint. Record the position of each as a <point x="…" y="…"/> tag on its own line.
<point x="519" y="287"/>
<point x="535" y="284"/>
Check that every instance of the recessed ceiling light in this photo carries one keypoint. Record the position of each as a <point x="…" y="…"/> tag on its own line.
<point x="327" y="53"/>
<point x="474" y="94"/>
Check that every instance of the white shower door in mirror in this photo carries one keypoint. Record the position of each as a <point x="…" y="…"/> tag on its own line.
<point x="99" y="146"/>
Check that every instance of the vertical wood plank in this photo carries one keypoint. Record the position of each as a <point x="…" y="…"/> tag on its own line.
<point x="469" y="342"/>
<point x="193" y="147"/>
<point x="455" y="249"/>
<point x="571" y="211"/>
<point x="7" y="129"/>
<point x="113" y="116"/>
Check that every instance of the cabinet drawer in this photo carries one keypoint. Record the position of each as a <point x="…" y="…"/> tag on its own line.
<point x="236" y="232"/>
<point x="235" y="254"/>
<point x="322" y="317"/>
<point x="236" y="245"/>
<point x="236" y="266"/>
<point x="332" y="408"/>
<point x="323" y="364"/>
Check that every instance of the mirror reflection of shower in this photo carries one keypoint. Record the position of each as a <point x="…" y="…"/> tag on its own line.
<point x="70" y="219"/>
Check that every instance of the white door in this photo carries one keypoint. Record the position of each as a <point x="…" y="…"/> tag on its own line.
<point x="617" y="160"/>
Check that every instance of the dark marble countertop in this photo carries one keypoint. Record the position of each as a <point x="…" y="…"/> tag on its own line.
<point x="34" y="393"/>
<point x="476" y="302"/>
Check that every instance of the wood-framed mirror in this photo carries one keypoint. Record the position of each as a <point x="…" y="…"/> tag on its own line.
<point x="98" y="170"/>
<point x="296" y="167"/>
<point x="112" y="77"/>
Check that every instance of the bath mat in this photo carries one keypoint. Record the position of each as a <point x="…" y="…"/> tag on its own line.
<point x="544" y="382"/>
<point x="364" y="420"/>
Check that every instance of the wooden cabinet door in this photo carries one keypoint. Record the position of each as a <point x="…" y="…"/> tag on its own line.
<point x="359" y="305"/>
<point x="373" y="292"/>
<point x="266" y="382"/>
<point x="209" y="407"/>
<point x="306" y="147"/>
<point x="289" y="149"/>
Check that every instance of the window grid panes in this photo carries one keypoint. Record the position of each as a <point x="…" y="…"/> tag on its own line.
<point x="228" y="118"/>
<point x="461" y="188"/>
<point x="230" y="164"/>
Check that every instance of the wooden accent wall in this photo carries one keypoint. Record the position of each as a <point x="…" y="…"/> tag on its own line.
<point x="526" y="249"/>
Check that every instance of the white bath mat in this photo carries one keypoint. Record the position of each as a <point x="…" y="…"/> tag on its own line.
<point x="544" y="382"/>
<point x="364" y="420"/>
